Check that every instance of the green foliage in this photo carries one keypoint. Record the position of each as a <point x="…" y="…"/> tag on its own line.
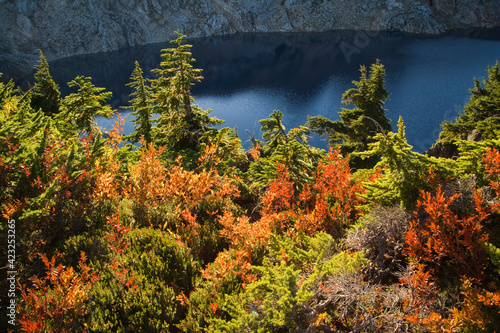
<point x="470" y="161"/>
<point x="285" y="295"/>
<point x="234" y="241"/>
<point x="138" y="292"/>
<point x="359" y="126"/>
<point x="45" y="178"/>
<point x="481" y="113"/>
<point x="24" y="135"/>
<point x="6" y="91"/>
<point x="21" y="143"/>
<point x="175" y="78"/>
<point x="221" y="150"/>
<point x="80" y="109"/>
<point x="181" y="123"/>
<point x="494" y="253"/>
<point x="201" y="307"/>
<point x="404" y="172"/>
<point x="141" y="106"/>
<point x="60" y="199"/>
<point x="45" y="92"/>
<point x="289" y="149"/>
<point x="267" y="305"/>
<point x="275" y="135"/>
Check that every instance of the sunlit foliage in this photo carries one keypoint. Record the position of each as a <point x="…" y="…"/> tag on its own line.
<point x="187" y="231"/>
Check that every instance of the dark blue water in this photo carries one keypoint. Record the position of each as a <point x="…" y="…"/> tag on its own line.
<point x="248" y="76"/>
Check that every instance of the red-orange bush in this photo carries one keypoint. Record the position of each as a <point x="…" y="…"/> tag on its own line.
<point x="280" y="196"/>
<point x="189" y="189"/>
<point x="106" y="184"/>
<point x="422" y="296"/>
<point x="148" y="178"/>
<point x="491" y="161"/>
<point x="440" y="238"/>
<point x="151" y="186"/>
<point x="329" y="203"/>
<point x="230" y="266"/>
<point x="243" y="234"/>
<point x="55" y="303"/>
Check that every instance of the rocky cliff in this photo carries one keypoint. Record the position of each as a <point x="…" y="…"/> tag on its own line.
<point x="62" y="28"/>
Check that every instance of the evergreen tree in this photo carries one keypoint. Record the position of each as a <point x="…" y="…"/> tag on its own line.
<point x="181" y="123"/>
<point x="482" y="112"/>
<point x="273" y="131"/>
<point x="141" y="106"/>
<point x="290" y="149"/>
<point x="405" y="172"/>
<point x="45" y="92"/>
<point x="6" y="90"/>
<point x="359" y="125"/>
<point x="80" y="109"/>
<point x="176" y="76"/>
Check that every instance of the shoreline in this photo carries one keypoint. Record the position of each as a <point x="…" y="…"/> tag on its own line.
<point x="21" y="65"/>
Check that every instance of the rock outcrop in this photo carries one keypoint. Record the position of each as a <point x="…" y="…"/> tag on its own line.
<point x="444" y="150"/>
<point x="67" y="27"/>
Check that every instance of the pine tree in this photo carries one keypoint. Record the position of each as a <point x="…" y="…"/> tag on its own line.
<point x="82" y="107"/>
<point x="359" y="125"/>
<point x="45" y="92"/>
<point x="141" y="106"/>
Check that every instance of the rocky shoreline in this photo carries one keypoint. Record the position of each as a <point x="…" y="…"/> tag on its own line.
<point x="62" y="28"/>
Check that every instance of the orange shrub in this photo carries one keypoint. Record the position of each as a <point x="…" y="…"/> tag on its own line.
<point x="329" y="203"/>
<point x="55" y="303"/>
<point x="440" y="238"/>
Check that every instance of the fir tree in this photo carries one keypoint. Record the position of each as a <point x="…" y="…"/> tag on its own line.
<point x="6" y="90"/>
<point x="482" y="112"/>
<point x="405" y="172"/>
<point x="359" y="125"/>
<point x="290" y="149"/>
<point x="273" y="131"/>
<point x="141" y="106"/>
<point x="181" y="123"/>
<point x="45" y="92"/>
<point x="82" y="107"/>
<point x="275" y="135"/>
<point x="176" y="76"/>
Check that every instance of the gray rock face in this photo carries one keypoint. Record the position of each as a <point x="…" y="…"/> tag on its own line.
<point x="62" y="28"/>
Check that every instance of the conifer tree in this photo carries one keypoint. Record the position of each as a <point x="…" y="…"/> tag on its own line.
<point x="82" y="107"/>
<point x="274" y="130"/>
<point x="6" y="90"/>
<point x="405" y="172"/>
<point x="45" y="92"/>
<point x="287" y="148"/>
<point x="181" y="122"/>
<point x="275" y="135"/>
<point x="176" y="76"/>
<point x="141" y="106"/>
<point x="359" y="125"/>
<point x="482" y="112"/>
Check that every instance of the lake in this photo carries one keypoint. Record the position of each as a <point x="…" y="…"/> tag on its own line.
<point x="247" y="76"/>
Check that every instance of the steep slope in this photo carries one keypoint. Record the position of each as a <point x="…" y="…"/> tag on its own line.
<point x="67" y="27"/>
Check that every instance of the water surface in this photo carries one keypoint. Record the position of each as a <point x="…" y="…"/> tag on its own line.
<point x="247" y="76"/>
